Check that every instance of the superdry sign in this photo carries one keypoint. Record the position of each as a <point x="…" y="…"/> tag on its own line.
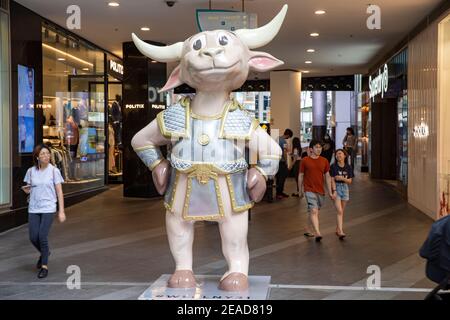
<point x="380" y="83"/>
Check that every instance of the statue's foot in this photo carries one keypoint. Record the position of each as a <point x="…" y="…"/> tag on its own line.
<point x="182" y="279"/>
<point x="235" y="281"/>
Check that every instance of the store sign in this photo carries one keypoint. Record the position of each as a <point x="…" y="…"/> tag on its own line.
<point x="134" y="106"/>
<point x="208" y="20"/>
<point x="158" y="106"/>
<point x="379" y="84"/>
<point x="421" y="130"/>
<point x="115" y="69"/>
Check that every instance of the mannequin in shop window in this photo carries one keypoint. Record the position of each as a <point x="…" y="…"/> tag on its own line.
<point x="71" y="136"/>
<point x="111" y="145"/>
<point x="76" y="115"/>
<point x="82" y="111"/>
<point x="116" y="117"/>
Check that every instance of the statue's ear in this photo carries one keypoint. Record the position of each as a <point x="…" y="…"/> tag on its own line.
<point x="174" y="80"/>
<point x="262" y="61"/>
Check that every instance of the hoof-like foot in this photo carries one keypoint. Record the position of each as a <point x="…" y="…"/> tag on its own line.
<point x="182" y="279"/>
<point x="234" y="282"/>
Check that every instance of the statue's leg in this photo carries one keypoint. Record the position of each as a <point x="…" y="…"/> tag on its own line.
<point x="181" y="238"/>
<point x="233" y="231"/>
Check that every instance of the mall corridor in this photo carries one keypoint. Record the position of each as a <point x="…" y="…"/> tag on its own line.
<point x="121" y="246"/>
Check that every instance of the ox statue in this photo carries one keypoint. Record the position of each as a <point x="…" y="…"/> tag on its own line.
<point x="219" y="157"/>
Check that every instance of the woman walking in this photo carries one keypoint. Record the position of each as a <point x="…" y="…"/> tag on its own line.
<point x="349" y="144"/>
<point x="44" y="187"/>
<point x="342" y="174"/>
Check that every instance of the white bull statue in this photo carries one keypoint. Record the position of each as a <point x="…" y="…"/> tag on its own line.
<point x="206" y="175"/>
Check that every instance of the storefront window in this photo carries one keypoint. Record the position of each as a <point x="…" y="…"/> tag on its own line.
<point x="74" y="109"/>
<point x="5" y="162"/>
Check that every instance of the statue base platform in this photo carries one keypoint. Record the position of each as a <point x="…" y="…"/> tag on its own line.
<point x="207" y="289"/>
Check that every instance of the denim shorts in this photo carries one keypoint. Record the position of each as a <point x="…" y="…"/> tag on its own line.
<point x="314" y="200"/>
<point x="342" y="191"/>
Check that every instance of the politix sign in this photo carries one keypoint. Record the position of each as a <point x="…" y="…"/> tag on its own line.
<point x="115" y="68"/>
<point x="379" y="84"/>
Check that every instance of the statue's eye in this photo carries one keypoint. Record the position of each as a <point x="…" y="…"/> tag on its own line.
<point x="197" y="44"/>
<point x="223" y="40"/>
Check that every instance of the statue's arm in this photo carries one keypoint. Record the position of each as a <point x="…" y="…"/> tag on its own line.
<point x="146" y="144"/>
<point x="265" y="154"/>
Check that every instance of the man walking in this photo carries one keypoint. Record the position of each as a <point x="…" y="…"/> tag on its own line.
<point x="310" y="180"/>
<point x="282" y="168"/>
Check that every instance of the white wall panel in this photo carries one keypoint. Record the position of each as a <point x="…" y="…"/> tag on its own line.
<point x="423" y="107"/>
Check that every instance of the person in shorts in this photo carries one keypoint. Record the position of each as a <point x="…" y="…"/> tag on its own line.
<point x="342" y="174"/>
<point x="313" y="169"/>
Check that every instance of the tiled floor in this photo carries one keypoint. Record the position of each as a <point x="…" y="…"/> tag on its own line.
<point x="121" y="247"/>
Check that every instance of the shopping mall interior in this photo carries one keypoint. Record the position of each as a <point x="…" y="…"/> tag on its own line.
<point x="368" y="81"/>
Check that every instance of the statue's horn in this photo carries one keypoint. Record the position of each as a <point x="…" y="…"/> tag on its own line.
<point x="255" y="38"/>
<point x="160" y="54"/>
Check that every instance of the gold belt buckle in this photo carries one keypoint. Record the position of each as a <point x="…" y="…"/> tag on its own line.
<point x="203" y="173"/>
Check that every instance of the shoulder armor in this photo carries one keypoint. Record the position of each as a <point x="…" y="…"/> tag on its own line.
<point x="173" y="121"/>
<point x="238" y="124"/>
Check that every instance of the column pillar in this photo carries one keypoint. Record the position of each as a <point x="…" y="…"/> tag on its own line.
<point x="319" y="114"/>
<point x="285" y="88"/>
<point x="343" y="115"/>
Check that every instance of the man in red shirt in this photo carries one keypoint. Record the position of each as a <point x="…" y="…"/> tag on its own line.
<point x="310" y="181"/>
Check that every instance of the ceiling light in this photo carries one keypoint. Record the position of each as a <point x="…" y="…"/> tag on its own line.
<point x="66" y="54"/>
<point x="145" y="29"/>
<point x="308" y="62"/>
<point x="153" y="61"/>
<point x="305" y="71"/>
<point x="61" y="59"/>
<point x="85" y="69"/>
<point x="320" y="12"/>
<point x="113" y="4"/>
<point x="314" y="34"/>
<point x="310" y="50"/>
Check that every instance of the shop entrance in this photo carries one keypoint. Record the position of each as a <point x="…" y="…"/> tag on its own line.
<point x="384" y="147"/>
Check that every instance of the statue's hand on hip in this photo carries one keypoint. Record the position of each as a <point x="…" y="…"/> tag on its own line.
<point x="256" y="185"/>
<point x="161" y="175"/>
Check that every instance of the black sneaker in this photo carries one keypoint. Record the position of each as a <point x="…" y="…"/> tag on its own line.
<point x="43" y="273"/>
<point x="285" y="195"/>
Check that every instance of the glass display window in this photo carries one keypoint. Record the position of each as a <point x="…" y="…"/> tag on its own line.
<point x="74" y="109"/>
